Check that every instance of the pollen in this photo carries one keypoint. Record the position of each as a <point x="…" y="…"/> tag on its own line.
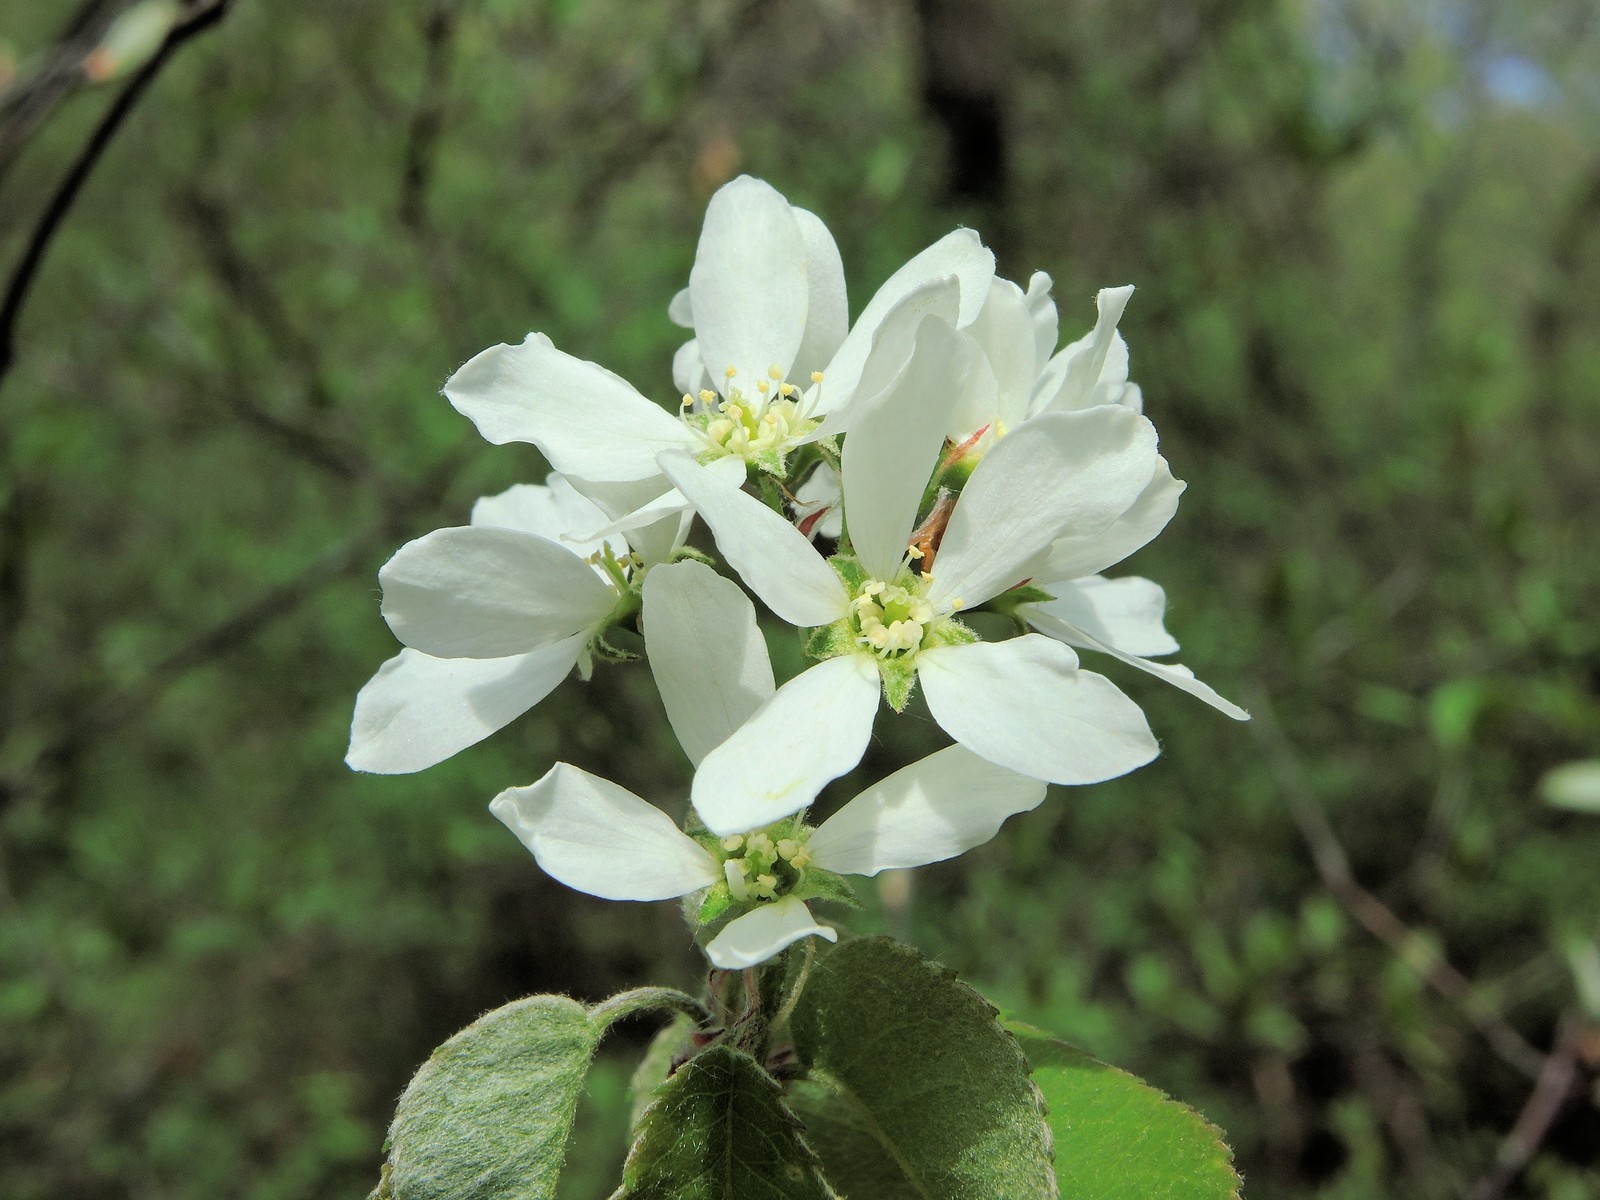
<point x="774" y="372"/>
<point x="730" y="372"/>
<point x="816" y="377"/>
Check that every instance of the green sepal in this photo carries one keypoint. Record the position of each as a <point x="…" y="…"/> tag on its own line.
<point x="770" y="490"/>
<point x="770" y="461"/>
<point x="829" y="641"/>
<point x="720" y="1127"/>
<point x="1118" y="1137"/>
<point x="850" y="571"/>
<point x="952" y="632"/>
<point x="1024" y="593"/>
<point x="689" y="552"/>
<point x="718" y="900"/>
<point x="899" y="677"/>
<point x="817" y="884"/>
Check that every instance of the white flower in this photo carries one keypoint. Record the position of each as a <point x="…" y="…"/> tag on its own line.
<point x="766" y="299"/>
<point x="1022" y="704"/>
<point x="712" y="667"/>
<point x="495" y="615"/>
<point x="1017" y="378"/>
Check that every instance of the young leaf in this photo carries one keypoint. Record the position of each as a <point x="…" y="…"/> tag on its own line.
<point x="1118" y="1138"/>
<point x="719" y="1128"/>
<point x="914" y="1091"/>
<point x="653" y="1069"/>
<point x="487" y="1117"/>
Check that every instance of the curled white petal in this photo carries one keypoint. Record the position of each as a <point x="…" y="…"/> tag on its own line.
<point x="588" y="422"/>
<point x="602" y="839"/>
<point x="762" y="932"/>
<point x="1025" y="704"/>
<point x="814" y="729"/>
<point x="418" y="711"/>
<point x="475" y="592"/>
<point x="934" y="809"/>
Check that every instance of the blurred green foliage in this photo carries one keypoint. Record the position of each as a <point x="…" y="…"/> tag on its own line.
<point x="1367" y="325"/>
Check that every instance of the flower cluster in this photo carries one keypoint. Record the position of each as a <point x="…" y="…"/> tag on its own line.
<point x="873" y="484"/>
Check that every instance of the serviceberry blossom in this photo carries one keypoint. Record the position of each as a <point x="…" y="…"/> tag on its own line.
<point x="773" y="366"/>
<point x="494" y="615"/>
<point x="886" y="614"/>
<point x="750" y="887"/>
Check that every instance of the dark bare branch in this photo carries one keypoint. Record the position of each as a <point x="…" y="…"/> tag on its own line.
<point x="197" y="17"/>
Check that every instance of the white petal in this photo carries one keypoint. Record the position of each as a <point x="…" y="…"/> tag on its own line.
<point x="1024" y="704"/>
<point x="707" y="654"/>
<point x="1077" y="554"/>
<point x="587" y="421"/>
<point x="650" y="512"/>
<point x="891" y="450"/>
<point x="1126" y="613"/>
<point x="827" y="308"/>
<point x="553" y="510"/>
<point x="812" y="731"/>
<point x="1004" y="332"/>
<point x="669" y="503"/>
<point x="1070" y="378"/>
<point x="771" y="555"/>
<point x="748" y="285"/>
<point x="977" y="407"/>
<point x="680" y="311"/>
<point x="418" y="711"/>
<point x="473" y="592"/>
<point x="762" y="932"/>
<point x="890" y="355"/>
<point x="935" y="809"/>
<point x="1064" y="472"/>
<point x="1178" y="675"/>
<point x="1045" y="326"/>
<point x="602" y="839"/>
<point x="961" y="254"/>
<point x="688" y="371"/>
<point x="818" y="511"/>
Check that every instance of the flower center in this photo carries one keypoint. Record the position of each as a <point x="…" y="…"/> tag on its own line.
<point x="889" y="620"/>
<point x="767" y="863"/>
<point x="751" y="425"/>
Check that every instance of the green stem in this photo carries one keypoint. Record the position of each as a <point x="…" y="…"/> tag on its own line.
<point x="786" y="1010"/>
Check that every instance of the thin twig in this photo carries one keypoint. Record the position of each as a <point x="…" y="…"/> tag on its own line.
<point x="1550" y="1091"/>
<point x="199" y="16"/>
<point x="1376" y="917"/>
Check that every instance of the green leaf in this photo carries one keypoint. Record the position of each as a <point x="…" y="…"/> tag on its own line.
<point x="487" y="1117"/>
<point x="1118" y="1138"/>
<point x="672" y="1040"/>
<point x="1574" y="785"/>
<point x="720" y="1128"/>
<point x="913" y="1089"/>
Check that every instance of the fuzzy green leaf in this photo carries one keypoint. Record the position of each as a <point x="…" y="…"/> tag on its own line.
<point x="672" y="1040"/>
<point x="1118" y="1138"/>
<point x="720" y="1128"/>
<point x="851" y="573"/>
<point x="914" y="1091"/>
<point x="487" y="1117"/>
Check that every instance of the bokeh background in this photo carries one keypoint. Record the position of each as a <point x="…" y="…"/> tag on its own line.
<point x="1366" y="238"/>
